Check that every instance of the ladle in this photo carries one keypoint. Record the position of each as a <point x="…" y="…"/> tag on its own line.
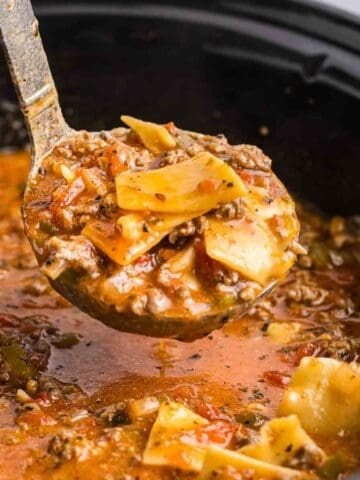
<point x="46" y="126"/>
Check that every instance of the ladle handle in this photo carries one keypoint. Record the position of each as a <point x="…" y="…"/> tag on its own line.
<point x="31" y="75"/>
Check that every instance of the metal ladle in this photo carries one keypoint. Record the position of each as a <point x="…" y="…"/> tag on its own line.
<point x="46" y="126"/>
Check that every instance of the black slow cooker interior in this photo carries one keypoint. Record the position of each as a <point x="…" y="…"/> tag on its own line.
<point x="221" y="68"/>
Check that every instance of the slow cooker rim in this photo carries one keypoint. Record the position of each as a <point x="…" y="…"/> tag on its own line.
<point x="337" y="12"/>
<point x="316" y="59"/>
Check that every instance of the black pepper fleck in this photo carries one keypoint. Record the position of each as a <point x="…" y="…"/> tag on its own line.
<point x="196" y="356"/>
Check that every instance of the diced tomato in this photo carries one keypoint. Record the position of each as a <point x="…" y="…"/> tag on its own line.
<point x="112" y="162"/>
<point x="306" y="350"/>
<point x="280" y="225"/>
<point x="207" y="186"/>
<point x="210" y="412"/>
<point x="184" y="392"/>
<point x="144" y="263"/>
<point x="276" y="189"/>
<point x="43" y="399"/>
<point x="170" y="127"/>
<point x="246" y="176"/>
<point x="276" y="379"/>
<point x="219" y="432"/>
<point x="7" y="320"/>
<point x="175" y="286"/>
<point x="86" y="425"/>
<point x="115" y="166"/>
<point x="293" y="357"/>
<point x="206" y="266"/>
<point x="200" y="249"/>
<point x="143" y="259"/>
<point x="64" y="195"/>
<point x="36" y="418"/>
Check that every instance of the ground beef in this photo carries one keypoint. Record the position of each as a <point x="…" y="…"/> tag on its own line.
<point x="230" y="211"/>
<point x="114" y="415"/>
<point x="250" y="292"/>
<point x="141" y="160"/>
<point x="158" y="302"/>
<point x="108" y="204"/>
<point x="172" y="157"/>
<point x="193" y="227"/>
<point x="307" y="294"/>
<point x="138" y="304"/>
<point x="239" y="156"/>
<point x="249" y="156"/>
<point x="64" y="447"/>
<point x="188" y="142"/>
<point x="60" y="447"/>
<point x="90" y="208"/>
<point x="346" y="349"/>
<point x="227" y="277"/>
<point x="305" y="458"/>
<point x="76" y="252"/>
<point x="305" y="261"/>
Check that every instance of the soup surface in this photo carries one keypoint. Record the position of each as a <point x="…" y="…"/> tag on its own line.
<point x="80" y="400"/>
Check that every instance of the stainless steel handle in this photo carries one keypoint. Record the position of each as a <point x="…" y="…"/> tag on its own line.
<point x="31" y="75"/>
